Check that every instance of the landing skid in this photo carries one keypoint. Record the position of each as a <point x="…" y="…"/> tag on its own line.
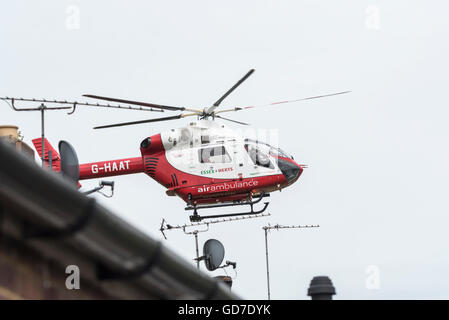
<point x="196" y="217"/>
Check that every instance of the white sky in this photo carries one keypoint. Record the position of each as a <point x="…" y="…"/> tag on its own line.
<point x="378" y="177"/>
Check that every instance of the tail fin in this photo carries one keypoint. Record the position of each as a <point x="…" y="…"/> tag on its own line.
<point x="55" y="157"/>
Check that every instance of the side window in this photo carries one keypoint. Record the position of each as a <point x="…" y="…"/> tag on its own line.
<point x="258" y="157"/>
<point x="213" y="155"/>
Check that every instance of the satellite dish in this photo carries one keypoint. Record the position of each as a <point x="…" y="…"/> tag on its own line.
<point x="69" y="162"/>
<point x="214" y="252"/>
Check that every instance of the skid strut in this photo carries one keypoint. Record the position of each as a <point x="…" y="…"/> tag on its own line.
<point x="196" y="217"/>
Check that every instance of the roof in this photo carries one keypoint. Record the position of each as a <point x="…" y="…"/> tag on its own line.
<point x="50" y="214"/>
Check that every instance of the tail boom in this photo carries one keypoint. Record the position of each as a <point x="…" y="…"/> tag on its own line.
<point x="101" y="169"/>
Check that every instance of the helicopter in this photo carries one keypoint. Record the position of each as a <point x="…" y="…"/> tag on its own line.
<point x="205" y="163"/>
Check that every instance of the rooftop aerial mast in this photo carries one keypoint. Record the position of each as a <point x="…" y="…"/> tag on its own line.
<point x="278" y="227"/>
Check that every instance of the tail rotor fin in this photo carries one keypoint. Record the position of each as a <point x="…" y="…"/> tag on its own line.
<point x="55" y="157"/>
<point x="66" y="161"/>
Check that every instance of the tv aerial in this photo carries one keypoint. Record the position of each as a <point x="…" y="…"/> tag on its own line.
<point x="102" y="184"/>
<point x="278" y="227"/>
<point x="165" y="226"/>
<point x="204" y="228"/>
<point x="43" y="105"/>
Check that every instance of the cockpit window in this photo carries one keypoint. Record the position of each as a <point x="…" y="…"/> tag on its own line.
<point x="258" y="157"/>
<point x="278" y="152"/>
<point x="214" y="155"/>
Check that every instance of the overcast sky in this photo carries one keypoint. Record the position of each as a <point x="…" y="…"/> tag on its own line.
<point x="378" y="177"/>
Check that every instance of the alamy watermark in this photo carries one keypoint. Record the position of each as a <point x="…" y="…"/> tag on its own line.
<point x="73" y="17"/>
<point x="72" y="282"/>
<point x="372" y="281"/>
<point x="372" y="17"/>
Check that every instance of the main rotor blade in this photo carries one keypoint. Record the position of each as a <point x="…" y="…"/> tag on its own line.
<point x="245" y="124"/>
<point x="145" y="104"/>
<point x="179" y="116"/>
<point x="217" y="103"/>
<point x="290" y="101"/>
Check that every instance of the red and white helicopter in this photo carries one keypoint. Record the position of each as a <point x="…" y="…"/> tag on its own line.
<point x="205" y="163"/>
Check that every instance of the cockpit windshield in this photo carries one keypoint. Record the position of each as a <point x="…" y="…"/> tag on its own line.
<point x="258" y="156"/>
<point x="277" y="152"/>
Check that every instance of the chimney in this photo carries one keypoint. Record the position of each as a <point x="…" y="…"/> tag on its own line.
<point x="10" y="134"/>
<point x="321" y="288"/>
<point x="225" y="279"/>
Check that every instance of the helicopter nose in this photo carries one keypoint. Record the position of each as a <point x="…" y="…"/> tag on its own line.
<point x="290" y="170"/>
